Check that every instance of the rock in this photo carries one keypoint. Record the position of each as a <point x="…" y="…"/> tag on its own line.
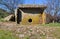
<point x="21" y="35"/>
<point x="9" y="18"/>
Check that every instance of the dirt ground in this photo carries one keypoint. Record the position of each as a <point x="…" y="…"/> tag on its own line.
<point x="31" y="31"/>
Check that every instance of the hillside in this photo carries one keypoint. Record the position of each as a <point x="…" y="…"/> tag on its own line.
<point x="3" y="13"/>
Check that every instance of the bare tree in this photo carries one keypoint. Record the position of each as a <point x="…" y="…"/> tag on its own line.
<point x="11" y="4"/>
<point x="53" y="8"/>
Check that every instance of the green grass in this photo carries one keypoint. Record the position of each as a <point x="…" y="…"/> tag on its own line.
<point x="7" y="35"/>
<point x="2" y="20"/>
<point x="52" y="24"/>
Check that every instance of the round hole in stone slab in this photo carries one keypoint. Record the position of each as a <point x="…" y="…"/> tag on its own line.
<point x="30" y="20"/>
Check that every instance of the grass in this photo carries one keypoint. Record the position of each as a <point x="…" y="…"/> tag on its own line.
<point x="52" y="24"/>
<point x="7" y="35"/>
<point x="2" y="20"/>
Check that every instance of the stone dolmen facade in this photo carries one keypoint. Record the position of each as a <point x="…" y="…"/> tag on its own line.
<point x="30" y="14"/>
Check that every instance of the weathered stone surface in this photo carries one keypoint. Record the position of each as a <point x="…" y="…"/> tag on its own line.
<point x="34" y="13"/>
<point x="8" y="18"/>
